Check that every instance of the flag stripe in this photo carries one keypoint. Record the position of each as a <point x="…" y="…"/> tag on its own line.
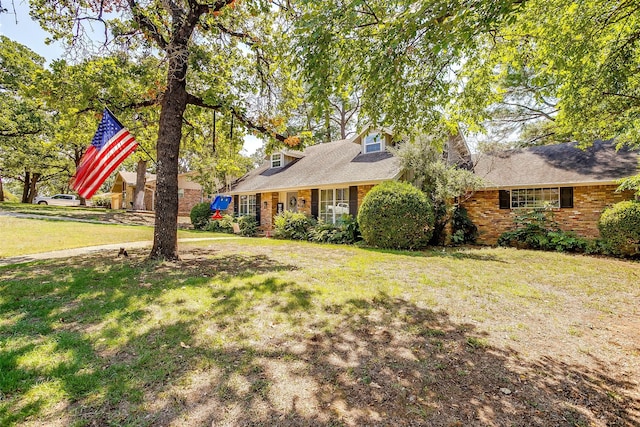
<point x="93" y="164"/>
<point x="82" y="170"/>
<point x="107" y="166"/>
<point x="111" y="144"/>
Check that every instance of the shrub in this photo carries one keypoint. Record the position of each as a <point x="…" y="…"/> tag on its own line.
<point x="345" y="232"/>
<point x="248" y="225"/>
<point x="463" y="230"/>
<point x="620" y="228"/>
<point x="396" y="215"/>
<point x="199" y="215"/>
<point x="537" y="230"/>
<point x="221" y="225"/>
<point x="102" y="200"/>
<point x="292" y="225"/>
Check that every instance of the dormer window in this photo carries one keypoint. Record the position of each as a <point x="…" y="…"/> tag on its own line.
<point x="373" y="143"/>
<point x="276" y="160"/>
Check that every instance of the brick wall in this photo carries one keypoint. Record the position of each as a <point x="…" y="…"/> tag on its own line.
<point x="190" y="199"/>
<point x="588" y="204"/>
<point x="267" y="213"/>
<point x="362" y="191"/>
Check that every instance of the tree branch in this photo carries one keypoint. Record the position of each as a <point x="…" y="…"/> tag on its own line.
<point x="146" y="24"/>
<point x="247" y="122"/>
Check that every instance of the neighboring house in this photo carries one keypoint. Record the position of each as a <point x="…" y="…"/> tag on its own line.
<point x="576" y="184"/>
<point x="124" y="186"/>
<point x="325" y="180"/>
<point x="190" y="193"/>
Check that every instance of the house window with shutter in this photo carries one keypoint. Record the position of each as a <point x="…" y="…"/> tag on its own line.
<point x="247" y="205"/>
<point x="536" y="198"/>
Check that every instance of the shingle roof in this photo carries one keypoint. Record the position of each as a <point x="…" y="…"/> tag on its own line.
<point x="332" y="163"/>
<point x="557" y="164"/>
<point x="132" y="177"/>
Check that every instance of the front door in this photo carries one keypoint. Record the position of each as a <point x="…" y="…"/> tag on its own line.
<point x="292" y="202"/>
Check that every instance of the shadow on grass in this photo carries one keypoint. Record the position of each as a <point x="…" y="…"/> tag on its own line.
<point x="263" y="351"/>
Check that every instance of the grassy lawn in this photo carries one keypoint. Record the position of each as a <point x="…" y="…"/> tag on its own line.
<point x="264" y="332"/>
<point x="20" y="236"/>
<point x="69" y="211"/>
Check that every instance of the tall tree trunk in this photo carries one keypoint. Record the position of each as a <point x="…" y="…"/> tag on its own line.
<point x="32" y="187"/>
<point x="141" y="180"/>
<point x="174" y="103"/>
<point x="1" y="190"/>
<point x="25" y="187"/>
<point x="343" y="121"/>
<point x="327" y="123"/>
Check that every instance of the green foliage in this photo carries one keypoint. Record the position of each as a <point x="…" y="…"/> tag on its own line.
<point x="102" y="200"/>
<point x="620" y="228"/>
<point x="560" y="70"/>
<point x="248" y="225"/>
<point x="396" y="215"/>
<point x="200" y="215"/>
<point x="292" y="225"/>
<point x="400" y="54"/>
<point x="537" y="230"/>
<point x="422" y="160"/>
<point x="224" y="225"/>
<point x="463" y="230"/>
<point x="346" y="232"/>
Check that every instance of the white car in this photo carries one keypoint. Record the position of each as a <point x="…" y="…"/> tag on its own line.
<point x="58" y="200"/>
<point x="339" y="208"/>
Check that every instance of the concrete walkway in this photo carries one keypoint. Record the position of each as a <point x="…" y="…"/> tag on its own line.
<point x="66" y="253"/>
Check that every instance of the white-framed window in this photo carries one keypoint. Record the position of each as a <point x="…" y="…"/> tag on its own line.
<point x="276" y="160"/>
<point x="373" y="142"/>
<point x="180" y="193"/>
<point x="247" y="205"/>
<point x="333" y="204"/>
<point x="531" y="198"/>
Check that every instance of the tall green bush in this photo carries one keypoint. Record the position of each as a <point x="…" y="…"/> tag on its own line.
<point x="199" y="215"/>
<point x="396" y="215"/>
<point x="620" y="228"/>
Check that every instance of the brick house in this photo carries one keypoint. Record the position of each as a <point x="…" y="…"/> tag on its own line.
<point x="190" y="193"/>
<point x="323" y="181"/>
<point x="576" y="184"/>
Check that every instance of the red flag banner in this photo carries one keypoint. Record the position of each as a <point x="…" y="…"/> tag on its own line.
<point x="111" y="144"/>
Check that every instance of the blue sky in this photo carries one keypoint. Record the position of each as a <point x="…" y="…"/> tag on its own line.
<point x="19" y="27"/>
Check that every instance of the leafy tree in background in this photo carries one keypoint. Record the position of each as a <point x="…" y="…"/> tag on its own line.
<point x="401" y="55"/>
<point x="559" y="71"/>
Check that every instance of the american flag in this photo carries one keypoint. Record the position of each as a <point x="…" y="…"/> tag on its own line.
<point x="111" y="144"/>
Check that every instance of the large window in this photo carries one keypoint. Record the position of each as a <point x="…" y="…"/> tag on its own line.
<point x="535" y="198"/>
<point x="247" y="205"/>
<point x="333" y="204"/>
<point x="373" y="143"/>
